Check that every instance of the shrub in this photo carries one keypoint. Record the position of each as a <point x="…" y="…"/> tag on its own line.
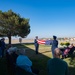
<point x="65" y="43"/>
<point x="61" y="43"/>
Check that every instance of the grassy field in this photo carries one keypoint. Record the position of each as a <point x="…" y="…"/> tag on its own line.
<point x="40" y="60"/>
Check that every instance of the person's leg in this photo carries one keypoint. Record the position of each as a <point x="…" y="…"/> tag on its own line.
<point x="52" y="53"/>
<point x="36" y="50"/>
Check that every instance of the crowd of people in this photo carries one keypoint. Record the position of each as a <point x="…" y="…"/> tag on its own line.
<point x="55" y="65"/>
<point x="16" y="56"/>
<point x="68" y="51"/>
<point x="54" y="44"/>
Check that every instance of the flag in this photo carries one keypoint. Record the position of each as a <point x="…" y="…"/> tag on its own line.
<point x="46" y="42"/>
<point x="41" y="41"/>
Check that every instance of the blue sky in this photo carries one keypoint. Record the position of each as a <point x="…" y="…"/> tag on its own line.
<point x="47" y="17"/>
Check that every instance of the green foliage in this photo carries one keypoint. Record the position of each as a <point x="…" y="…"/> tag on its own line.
<point x="11" y="24"/>
<point x="61" y="43"/>
<point x="65" y="43"/>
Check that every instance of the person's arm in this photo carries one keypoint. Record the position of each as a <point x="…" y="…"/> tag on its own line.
<point x="51" y="41"/>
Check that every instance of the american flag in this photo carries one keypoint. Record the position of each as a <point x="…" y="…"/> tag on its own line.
<point x="41" y="41"/>
<point x="46" y="42"/>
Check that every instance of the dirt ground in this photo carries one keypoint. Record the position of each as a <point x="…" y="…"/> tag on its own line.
<point x="16" y="41"/>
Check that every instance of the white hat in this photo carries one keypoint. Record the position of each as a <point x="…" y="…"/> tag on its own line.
<point x="12" y="49"/>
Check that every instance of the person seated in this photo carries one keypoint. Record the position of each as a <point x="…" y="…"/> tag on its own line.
<point x="11" y="59"/>
<point x="72" y="48"/>
<point x="68" y="51"/>
<point x="65" y="52"/>
<point x="57" y="66"/>
<point x="12" y="51"/>
<point x="12" y="55"/>
<point x="25" y="63"/>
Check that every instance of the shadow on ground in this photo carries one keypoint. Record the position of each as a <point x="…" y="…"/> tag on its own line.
<point x="39" y="60"/>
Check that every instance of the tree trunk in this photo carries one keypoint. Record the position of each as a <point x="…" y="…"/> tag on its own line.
<point x="9" y="37"/>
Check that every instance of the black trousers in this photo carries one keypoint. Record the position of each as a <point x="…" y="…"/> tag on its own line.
<point x="36" y="48"/>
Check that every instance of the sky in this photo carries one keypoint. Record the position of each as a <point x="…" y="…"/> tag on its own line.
<point x="47" y="17"/>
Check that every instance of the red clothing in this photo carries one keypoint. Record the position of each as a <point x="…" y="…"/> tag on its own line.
<point x="66" y="51"/>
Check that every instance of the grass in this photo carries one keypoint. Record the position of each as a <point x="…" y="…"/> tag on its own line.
<point x="40" y="60"/>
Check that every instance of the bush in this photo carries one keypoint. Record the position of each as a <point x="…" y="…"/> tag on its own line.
<point x="65" y="43"/>
<point x="61" y="43"/>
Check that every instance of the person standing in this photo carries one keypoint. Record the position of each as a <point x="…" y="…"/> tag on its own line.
<point x="20" y="40"/>
<point x="36" y="44"/>
<point x="25" y="63"/>
<point x="54" y="44"/>
<point x="0" y="49"/>
<point x="57" y="66"/>
<point x="3" y="46"/>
